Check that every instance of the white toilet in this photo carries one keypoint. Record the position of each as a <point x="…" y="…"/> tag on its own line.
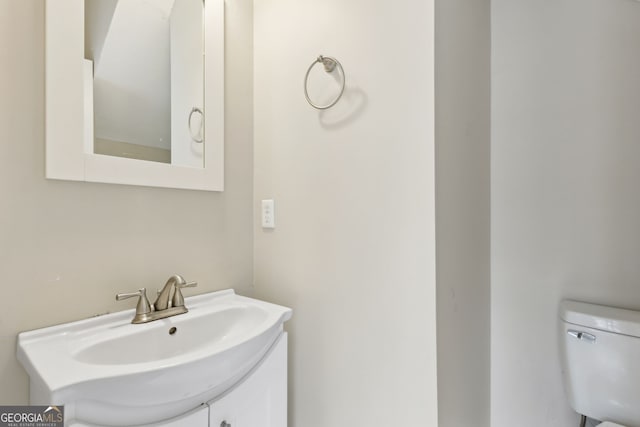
<point x="600" y="353"/>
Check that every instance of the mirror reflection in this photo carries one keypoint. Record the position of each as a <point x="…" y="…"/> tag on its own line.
<point x="145" y="66"/>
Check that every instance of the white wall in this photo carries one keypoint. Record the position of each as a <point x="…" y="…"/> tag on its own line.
<point x="66" y="248"/>
<point x="565" y="200"/>
<point x="353" y="250"/>
<point x="463" y="78"/>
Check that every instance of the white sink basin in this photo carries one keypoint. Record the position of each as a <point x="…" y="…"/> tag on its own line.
<point x="108" y="371"/>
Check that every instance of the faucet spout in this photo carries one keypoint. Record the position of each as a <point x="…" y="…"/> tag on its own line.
<point x="162" y="302"/>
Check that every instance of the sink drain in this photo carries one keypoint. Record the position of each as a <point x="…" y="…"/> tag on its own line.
<point x="173" y="330"/>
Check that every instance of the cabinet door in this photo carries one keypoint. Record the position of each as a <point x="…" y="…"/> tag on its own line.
<point x="261" y="399"/>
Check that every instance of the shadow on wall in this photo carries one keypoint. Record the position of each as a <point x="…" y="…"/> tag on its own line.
<point x="351" y="106"/>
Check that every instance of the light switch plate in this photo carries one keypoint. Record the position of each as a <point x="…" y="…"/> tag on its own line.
<point x="268" y="215"/>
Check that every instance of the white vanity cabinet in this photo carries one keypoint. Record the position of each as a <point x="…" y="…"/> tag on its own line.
<point x="260" y="400"/>
<point x="225" y="360"/>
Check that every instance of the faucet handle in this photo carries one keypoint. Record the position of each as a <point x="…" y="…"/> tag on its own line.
<point x="143" y="306"/>
<point x="178" y="299"/>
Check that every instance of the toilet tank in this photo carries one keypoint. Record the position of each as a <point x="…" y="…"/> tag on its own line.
<point x="600" y="354"/>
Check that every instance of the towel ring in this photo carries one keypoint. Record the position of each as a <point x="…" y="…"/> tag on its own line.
<point x="329" y="64"/>
<point x="195" y="110"/>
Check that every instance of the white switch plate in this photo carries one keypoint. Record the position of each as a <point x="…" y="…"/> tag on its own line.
<point x="268" y="215"/>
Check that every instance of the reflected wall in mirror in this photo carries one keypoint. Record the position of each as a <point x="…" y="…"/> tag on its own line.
<point x="177" y="115"/>
<point x="146" y="65"/>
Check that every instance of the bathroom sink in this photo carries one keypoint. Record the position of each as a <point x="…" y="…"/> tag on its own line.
<point x="108" y="371"/>
<point x="199" y="332"/>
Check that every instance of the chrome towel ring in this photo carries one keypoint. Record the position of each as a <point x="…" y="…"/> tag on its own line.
<point x="195" y="110"/>
<point x="329" y="64"/>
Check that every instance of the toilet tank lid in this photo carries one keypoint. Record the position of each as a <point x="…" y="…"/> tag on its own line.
<point x="611" y="319"/>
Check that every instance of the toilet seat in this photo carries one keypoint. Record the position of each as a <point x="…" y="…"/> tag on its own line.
<point x="609" y="424"/>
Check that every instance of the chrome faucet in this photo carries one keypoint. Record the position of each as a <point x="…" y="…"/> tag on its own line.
<point x="161" y="308"/>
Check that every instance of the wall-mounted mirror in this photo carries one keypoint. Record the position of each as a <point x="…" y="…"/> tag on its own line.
<point x="135" y="92"/>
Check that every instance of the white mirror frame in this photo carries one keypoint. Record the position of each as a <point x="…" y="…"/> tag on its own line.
<point x="65" y="127"/>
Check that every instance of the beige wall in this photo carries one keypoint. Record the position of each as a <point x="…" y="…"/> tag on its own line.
<point x="463" y="56"/>
<point x="66" y="248"/>
<point x="353" y="251"/>
<point x="565" y="175"/>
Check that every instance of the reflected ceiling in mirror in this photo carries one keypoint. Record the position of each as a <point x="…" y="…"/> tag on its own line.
<point x="146" y="73"/>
